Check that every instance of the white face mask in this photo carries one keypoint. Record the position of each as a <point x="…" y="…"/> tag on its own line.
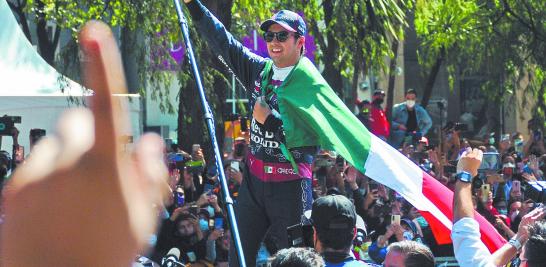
<point x="410" y="103"/>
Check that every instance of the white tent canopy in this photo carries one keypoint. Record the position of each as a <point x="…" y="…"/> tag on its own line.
<point x="32" y="89"/>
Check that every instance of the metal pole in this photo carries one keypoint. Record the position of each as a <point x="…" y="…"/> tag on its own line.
<point x="212" y="133"/>
<point x="233" y="95"/>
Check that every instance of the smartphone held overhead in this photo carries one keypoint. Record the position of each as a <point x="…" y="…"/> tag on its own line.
<point x="234" y="165"/>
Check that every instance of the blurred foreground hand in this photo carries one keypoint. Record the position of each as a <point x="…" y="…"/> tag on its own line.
<point x="78" y="201"/>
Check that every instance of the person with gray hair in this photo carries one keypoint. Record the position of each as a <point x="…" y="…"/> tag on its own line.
<point x="297" y="257"/>
<point x="408" y="254"/>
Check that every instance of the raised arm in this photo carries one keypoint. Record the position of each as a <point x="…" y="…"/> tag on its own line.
<point x="245" y="64"/>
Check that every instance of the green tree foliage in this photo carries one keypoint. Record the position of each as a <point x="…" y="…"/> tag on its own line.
<point x="501" y="40"/>
<point x="352" y="35"/>
<point x="143" y="26"/>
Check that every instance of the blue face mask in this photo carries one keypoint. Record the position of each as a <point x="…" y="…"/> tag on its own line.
<point x="203" y="225"/>
<point x="503" y="211"/>
<point x="408" y="235"/>
<point x="210" y="209"/>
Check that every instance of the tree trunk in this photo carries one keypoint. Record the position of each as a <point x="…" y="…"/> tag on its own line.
<point x="331" y="73"/>
<point x="192" y="127"/>
<point x="427" y="92"/>
<point x="46" y="46"/>
<point x="390" y="88"/>
<point x="19" y="11"/>
<point x="357" y="63"/>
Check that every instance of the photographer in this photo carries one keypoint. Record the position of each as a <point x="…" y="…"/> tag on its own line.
<point x="334" y="224"/>
<point x="183" y="231"/>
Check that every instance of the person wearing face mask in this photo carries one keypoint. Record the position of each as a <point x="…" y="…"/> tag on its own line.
<point x="407" y="118"/>
<point x="378" y="119"/>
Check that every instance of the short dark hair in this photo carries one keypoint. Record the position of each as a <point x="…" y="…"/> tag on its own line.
<point x="536" y="245"/>
<point x="410" y="91"/>
<point x="335" y="239"/>
<point x="296" y="257"/>
<point x="416" y="254"/>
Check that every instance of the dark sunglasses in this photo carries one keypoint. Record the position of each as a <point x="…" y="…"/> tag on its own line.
<point x="281" y="36"/>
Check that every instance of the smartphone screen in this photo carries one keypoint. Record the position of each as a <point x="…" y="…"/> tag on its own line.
<point x="490" y="161"/>
<point x="20" y="154"/>
<point x="395" y="218"/>
<point x="208" y="188"/>
<point x="218" y="223"/>
<point x="450" y="169"/>
<point x="517" y="186"/>
<point x="537" y="135"/>
<point x="194" y="210"/>
<point x="235" y="165"/>
<point x="340" y="162"/>
<point x="373" y="185"/>
<point x="485" y="192"/>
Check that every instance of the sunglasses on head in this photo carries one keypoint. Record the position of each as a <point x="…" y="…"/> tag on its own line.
<point x="281" y="36"/>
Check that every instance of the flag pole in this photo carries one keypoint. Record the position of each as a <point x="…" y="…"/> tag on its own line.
<point x="212" y="134"/>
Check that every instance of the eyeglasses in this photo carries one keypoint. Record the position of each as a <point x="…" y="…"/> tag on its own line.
<point x="281" y="36"/>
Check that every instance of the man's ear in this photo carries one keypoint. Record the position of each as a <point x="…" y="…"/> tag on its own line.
<point x="301" y="41"/>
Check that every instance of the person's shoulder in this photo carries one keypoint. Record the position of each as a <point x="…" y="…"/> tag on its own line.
<point x="399" y="106"/>
<point x="420" y="108"/>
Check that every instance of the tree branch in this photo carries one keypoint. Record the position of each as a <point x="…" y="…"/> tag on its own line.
<point x="521" y="20"/>
<point x="22" y="17"/>
<point x="56" y="37"/>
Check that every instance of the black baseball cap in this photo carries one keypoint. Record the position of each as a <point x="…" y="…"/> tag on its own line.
<point x="333" y="212"/>
<point x="379" y="92"/>
<point x="289" y="20"/>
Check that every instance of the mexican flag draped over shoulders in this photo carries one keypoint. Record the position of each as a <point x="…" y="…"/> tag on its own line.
<point x="313" y="115"/>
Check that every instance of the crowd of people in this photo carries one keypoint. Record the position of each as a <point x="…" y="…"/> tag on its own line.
<point x="297" y="205"/>
<point x="501" y="193"/>
<point x="272" y="196"/>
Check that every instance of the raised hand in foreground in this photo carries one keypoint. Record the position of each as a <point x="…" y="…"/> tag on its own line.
<point x="78" y="201"/>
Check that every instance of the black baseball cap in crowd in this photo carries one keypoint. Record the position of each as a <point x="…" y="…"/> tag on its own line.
<point x="379" y="92"/>
<point x="289" y="20"/>
<point x="333" y="212"/>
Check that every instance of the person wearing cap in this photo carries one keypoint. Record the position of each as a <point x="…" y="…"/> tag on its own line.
<point x="408" y="118"/>
<point x="379" y="125"/>
<point x="334" y="223"/>
<point x="278" y="188"/>
<point x="364" y="108"/>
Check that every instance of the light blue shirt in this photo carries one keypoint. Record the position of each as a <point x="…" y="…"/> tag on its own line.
<point x="400" y="116"/>
<point x="467" y="245"/>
